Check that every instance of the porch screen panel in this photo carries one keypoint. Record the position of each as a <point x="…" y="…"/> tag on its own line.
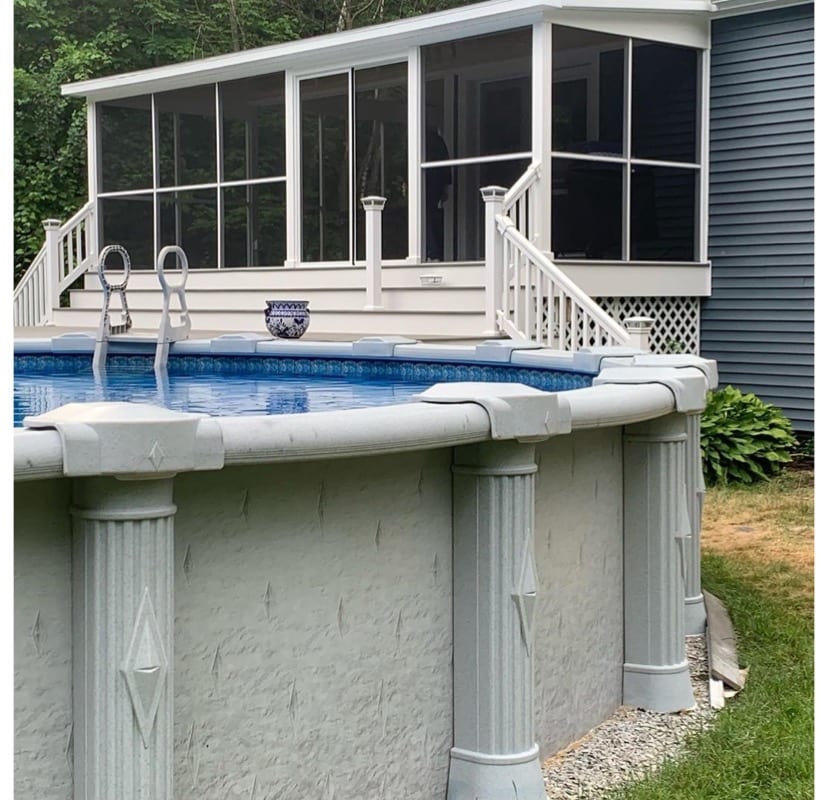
<point x="662" y="214"/>
<point x="187" y="136"/>
<point x="325" y="169"/>
<point x="381" y="153"/>
<point x="254" y="225"/>
<point x="587" y="91"/>
<point x="463" y="215"/>
<point x="664" y="88"/>
<point x="478" y="93"/>
<point x="188" y="219"/>
<point x="587" y="209"/>
<point x="125" y="142"/>
<point x="253" y="127"/>
<point x="127" y="221"/>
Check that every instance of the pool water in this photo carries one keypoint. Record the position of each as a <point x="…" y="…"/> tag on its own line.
<point x="238" y="386"/>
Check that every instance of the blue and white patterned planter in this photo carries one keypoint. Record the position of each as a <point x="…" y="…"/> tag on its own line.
<point x="287" y="319"/>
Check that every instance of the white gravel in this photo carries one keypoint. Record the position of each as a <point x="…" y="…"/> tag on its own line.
<point x="631" y="743"/>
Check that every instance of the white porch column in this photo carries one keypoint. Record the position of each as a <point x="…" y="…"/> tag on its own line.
<point x="656" y="672"/>
<point x="373" y="206"/>
<point x="495" y="584"/>
<point x="123" y="638"/>
<point x="52" y="292"/>
<point x="541" y="211"/>
<point x="493" y="198"/>
<point x="695" y="615"/>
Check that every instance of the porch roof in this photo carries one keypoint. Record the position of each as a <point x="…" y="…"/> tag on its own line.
<point x="390" y="39"/>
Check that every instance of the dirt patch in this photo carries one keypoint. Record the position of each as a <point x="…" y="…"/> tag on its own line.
<point x="769" y="523"/>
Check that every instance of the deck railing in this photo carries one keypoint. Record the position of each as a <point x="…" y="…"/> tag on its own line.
<point x="68" y="252"/>
<point x="527" y="296"/>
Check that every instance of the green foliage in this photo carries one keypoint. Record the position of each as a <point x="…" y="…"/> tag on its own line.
<point x="743" y="439"/>
<point x="761" y="746"/>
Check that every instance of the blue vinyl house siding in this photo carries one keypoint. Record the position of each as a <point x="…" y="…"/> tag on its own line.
<point x="759" y="322"/>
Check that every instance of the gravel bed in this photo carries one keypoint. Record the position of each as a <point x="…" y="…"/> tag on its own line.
<point x="631" y="743"/>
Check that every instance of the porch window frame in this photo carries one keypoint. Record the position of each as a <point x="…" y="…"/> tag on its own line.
<point x="157" y="191"/>
<point x="627" y="161"/>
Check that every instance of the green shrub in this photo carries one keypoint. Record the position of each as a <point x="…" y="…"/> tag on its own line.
<point x="743" y="439"/>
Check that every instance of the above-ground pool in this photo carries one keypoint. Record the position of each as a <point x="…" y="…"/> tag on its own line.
<point x="249" y="384"/>
<point x="422" y="599"/>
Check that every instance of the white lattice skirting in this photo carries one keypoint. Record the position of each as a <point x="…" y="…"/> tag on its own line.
<point x="676" y="328"/>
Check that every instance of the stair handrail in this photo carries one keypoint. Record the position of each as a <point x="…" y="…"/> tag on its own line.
<point x="567" y="293"/>
<point x="68" y="252"/>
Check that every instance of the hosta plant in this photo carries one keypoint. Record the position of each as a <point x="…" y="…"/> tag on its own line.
<point x="743" y="439"/>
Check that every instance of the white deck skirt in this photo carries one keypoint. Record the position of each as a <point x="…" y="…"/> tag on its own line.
<point x="681" y="22"/>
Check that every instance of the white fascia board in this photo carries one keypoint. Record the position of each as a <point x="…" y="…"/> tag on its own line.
<point x="671" y="27"/>
<point x="733" y="8"/>
<point x="390" y="40"/>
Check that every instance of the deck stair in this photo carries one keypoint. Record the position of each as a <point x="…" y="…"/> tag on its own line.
<point x="234" y="300"/>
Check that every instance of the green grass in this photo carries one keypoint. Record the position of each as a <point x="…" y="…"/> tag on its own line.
<point x="761" y="746"/>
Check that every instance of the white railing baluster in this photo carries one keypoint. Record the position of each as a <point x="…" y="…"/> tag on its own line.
<point x="572" y="319"/>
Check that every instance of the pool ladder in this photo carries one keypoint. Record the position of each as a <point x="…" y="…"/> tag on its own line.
<point x="168" y="332"/>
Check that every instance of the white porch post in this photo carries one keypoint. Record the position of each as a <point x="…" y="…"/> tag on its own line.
<point x="415" y="155"/>
<point x="541" y="209"/>
<point x="493" y="198"/>
<point x="373" y="206"/>
<point x="52" y="291"/>
<point x="293" y="172"/>
<point x="639" y="329"/>
<point x="495" y="584"/>
<point x="123" y="638"/>
<point x="656" y="672"/>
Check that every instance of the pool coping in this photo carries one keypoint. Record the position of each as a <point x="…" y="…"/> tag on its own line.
<point x="629" y="386"/>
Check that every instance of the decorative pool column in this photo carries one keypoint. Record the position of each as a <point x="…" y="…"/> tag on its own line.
<point x="695" y="615"/>
<point x="123" y="458"/>
<point x="656" y="671"/>
<point x="495" y="587"/>
<point x="123" y="638"/>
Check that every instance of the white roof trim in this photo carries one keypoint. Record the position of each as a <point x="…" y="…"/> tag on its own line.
<point x="387" y="39"/>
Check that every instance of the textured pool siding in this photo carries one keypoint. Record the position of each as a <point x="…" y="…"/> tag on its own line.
<point x="313" y="630"/>
<point x="42" y="641"/>
<point x="313" y="622"/>
<point x="579" y="630"/>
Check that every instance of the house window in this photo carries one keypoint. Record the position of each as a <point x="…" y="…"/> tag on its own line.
<point x="223" y="204"/>
<point x="477" y="130"/>
<point x="625" y="140"/>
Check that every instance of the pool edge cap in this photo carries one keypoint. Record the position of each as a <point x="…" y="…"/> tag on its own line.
<point x="689" y="387"/>
<point x="132" y="439"/>
<point x="516" y="411"/>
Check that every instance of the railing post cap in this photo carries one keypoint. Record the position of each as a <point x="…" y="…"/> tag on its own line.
<point x="372" y="201"/>
<point x="50" y="224"/>
<point x="639" y="323"/>
<point x="490" y="193"/>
